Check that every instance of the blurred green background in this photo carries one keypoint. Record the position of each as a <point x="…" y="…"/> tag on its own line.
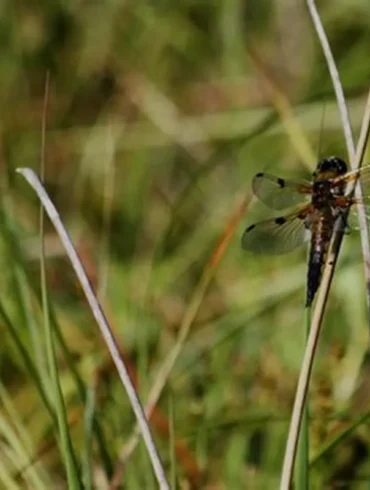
<point x="159" y="115"/>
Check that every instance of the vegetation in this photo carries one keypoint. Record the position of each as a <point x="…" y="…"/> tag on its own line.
<point x="158" y="116"/>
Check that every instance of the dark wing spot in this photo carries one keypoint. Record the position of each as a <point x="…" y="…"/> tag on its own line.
<point x="280" y="221"/>
<point x="281" y="182"/>
<point x="250" y="228"/>
<point x="259" y="175"/>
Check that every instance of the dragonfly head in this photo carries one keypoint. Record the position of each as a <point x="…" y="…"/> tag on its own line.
<point x="330" y="167"/>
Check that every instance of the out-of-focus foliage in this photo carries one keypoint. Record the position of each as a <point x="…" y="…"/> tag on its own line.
<point x="159" y="115"/>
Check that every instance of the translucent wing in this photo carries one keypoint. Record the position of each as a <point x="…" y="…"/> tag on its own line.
<point x="352" y="223"/>
<point x="278" y="193"/>
<point x="363" y="177"/>
<point x="278" y="235"/>
<point x="364" y="180"/>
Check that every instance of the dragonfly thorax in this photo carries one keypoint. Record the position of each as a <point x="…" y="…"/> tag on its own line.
<point x="322" y="194"/>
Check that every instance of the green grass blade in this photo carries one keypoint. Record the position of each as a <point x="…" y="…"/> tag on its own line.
<point x="14" y="432"/>
<point x="27" y="359"/>
<point x="332" y="443"/>
<point x="88" y="439"/>
<point x="65" y="439"/>
<point x="83" y="394"/>
<point x="69" y="456"/>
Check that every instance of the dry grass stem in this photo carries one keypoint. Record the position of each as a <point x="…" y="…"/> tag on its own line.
<point x="318" y="314"/>
<point x="356" y="160"/>
<point x="342" y="105"/>
<point x="100" y="318"/>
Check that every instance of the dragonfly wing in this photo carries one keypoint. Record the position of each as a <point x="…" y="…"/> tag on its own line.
<point x="352" y="219"/>
<point x="278" y="235"/>
<point x="363" y="177"/>
<point x="364" y="180"/>
<point x="278" y="193"/>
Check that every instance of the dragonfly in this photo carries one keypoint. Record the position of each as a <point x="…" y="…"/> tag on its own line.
<point x="317" y="205"/>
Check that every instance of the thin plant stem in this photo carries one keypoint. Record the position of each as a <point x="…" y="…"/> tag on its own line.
<point x="356" y="158"/>
<point x="348" y="136"/>
<point x="334" y="74"/>
<point x="303" y="381"/>
<point x="101" y="320"/>
<point x="302" y="470"/>
<point x="89" y="416"/>
<point x="60" y="409"/>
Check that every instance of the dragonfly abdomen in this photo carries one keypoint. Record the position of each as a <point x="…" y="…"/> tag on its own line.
<point x="322" y="229"/>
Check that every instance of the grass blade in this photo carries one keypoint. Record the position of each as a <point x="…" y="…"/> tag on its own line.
<point x="98" y="313"/>
<point x="88" y="425"/>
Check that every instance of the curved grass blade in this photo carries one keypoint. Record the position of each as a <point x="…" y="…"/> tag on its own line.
<point x="100" y="318"/>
